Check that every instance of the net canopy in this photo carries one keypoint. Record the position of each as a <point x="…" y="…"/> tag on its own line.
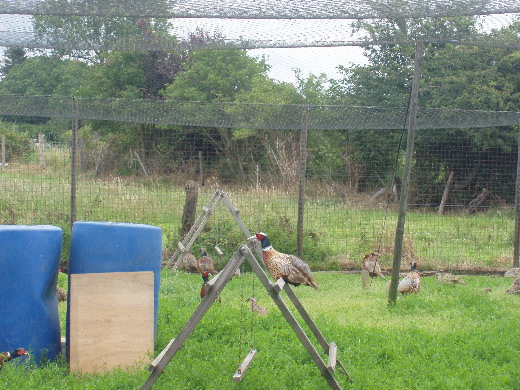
<point x="248" y="24"/>
<point x="245" y="24"/>
<point x="262" y="9"/>
<point x="252" y="116"/>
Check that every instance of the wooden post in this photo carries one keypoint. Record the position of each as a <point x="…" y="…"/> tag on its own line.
<point x="3" y="151"/>
<point x="74" y="157"/>
<point x="446" y="193"/>
<point x="412" y="124"/>
<point x="41" y="147"/>
<point x="301" y="189"/>
<point x="190" y="206"/>
<point x="516" y="251"/>
<point x="201" y="168"/>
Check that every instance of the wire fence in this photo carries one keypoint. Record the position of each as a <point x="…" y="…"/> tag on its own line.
<point x="461" y="203"/>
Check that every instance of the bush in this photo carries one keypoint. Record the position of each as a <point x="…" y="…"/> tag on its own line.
<point x="18" y="143"/>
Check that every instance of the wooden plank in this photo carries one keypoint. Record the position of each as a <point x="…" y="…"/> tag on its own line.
<point x="312" y="326"/>
<point x="160" y="356"/>
<point x="242" y="368"/>
<point x="333" y="352"/>
<point x="291" y="320"/>
<point x="195" y="230"/>
<point x="169" y="352"/>
<point x="111" y="320"/>
<point x="278" y="286"/>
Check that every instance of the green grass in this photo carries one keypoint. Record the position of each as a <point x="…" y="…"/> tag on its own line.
<point x="446" y="337"/>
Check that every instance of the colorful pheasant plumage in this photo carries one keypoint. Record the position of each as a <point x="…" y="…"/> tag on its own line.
<point x="371" y="264"/>
<point x="206" y="262"/>
<point x="290" y="268"/>
<point x="205" y="279"/>
<point x="411" y="283"/>
<point x="6" y="356"/>
<point x="515" y="287"/>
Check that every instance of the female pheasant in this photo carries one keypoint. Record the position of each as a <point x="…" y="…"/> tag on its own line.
<point x="206" y="262"/>
<point x="411" y="283"/>
<point x="290" y="268"/>
<point x="515" y="287"/>
<point x="371" y="264"/>
<point x="6" y="356"/>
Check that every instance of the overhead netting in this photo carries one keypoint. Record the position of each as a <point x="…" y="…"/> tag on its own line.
<point x="244" y="24"/>
<point x="251" y="116"/>
<point x="259" y="27"/>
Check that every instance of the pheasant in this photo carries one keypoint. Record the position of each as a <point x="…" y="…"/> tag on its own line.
<point x="6" y="356"/>
<point x="290" y="268"/>
<point x="205" y="280"/>
<point x="515" y="287"/>
<point x="411" y="283"/>
<point x="371" y="264"/>
<point x="206" y="262"/>
<point x="190" y="263"/>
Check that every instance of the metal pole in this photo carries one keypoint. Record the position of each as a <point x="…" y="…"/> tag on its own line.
<point x="301" y="190"/>
<point x="412" y="124"/>
<point x="73" y="171"/>
<point x="516" y="252"/>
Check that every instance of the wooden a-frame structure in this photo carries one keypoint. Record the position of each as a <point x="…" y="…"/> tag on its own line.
<point x="217" y="284"/>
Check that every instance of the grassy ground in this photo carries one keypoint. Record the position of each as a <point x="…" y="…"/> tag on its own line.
<point x="446" y="337"/>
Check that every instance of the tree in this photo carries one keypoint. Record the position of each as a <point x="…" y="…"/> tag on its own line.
<point x="218" y="76"/>
<point x="454" y="76"/>
<point x="12" y="56"/>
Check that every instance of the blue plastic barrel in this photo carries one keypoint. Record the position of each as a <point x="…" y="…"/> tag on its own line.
<point x="100" y="247"/>
<point x="29" y="262"/>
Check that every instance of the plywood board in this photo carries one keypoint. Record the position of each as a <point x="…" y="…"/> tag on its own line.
<point x="111" y="320"/>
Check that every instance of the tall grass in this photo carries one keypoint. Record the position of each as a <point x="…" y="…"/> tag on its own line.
<point x="446" y="337"/>
<point x="339" y="229"/>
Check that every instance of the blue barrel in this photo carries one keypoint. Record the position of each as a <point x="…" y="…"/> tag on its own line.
<point x="100" y="247"/>
<point x="29" y="262"/>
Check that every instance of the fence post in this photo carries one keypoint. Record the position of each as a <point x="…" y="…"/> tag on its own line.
<point x="41" y="147"/>
<point x="201" y="168"/>
<point x="3" y="151"/>
<point x="412" y="124"/>
<point x="516" y="252"/>
<point x="73" y="170"/>
<point x="301" y="190"/>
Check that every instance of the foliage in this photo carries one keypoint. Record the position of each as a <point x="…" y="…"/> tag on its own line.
<point x="13" y="56"/>
<point x="44" y="76"/>
<point x="18" y="144"/>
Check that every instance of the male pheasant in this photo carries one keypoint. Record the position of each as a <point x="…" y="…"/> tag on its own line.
<point x="411" y="283"/>
<point x="205" y="280"/>
<point x="206" y="262"/>
<point x="371" y="264"/>
<point x="290" y="268"/>
<point x="6" y="356"/>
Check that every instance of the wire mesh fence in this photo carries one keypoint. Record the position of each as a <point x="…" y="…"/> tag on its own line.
<point x="155" y="94"/>
<point x="461" y="202"/>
